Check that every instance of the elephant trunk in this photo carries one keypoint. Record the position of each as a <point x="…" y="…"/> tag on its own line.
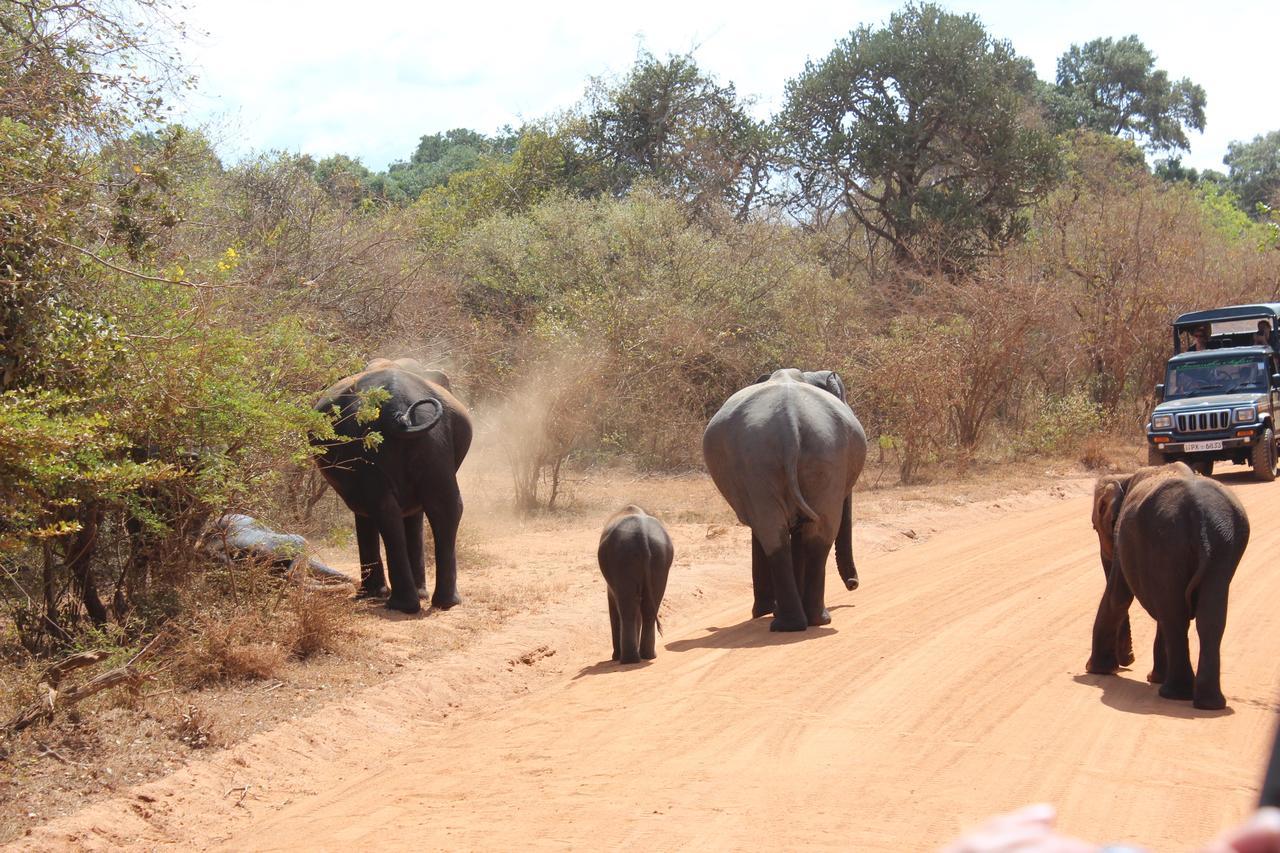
<point x="844" y="546"/>
<point x="405" y="419"/>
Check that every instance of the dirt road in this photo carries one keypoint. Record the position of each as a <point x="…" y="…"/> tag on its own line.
<point x="948" y="687"/>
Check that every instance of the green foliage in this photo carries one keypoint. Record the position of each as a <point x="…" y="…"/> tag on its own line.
<point x="1254" y="173"/>
<point x="669" y="123"/>
<point x="442" y="155"/>
<point x="1112" y="86"/>
<point x="919" y="132"/>
<point x="1060" y="424"/>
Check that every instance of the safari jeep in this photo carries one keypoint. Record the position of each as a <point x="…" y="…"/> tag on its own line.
<point x="1218" y="399"/>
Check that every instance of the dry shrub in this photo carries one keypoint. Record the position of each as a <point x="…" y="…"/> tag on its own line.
<point x="319" y="620"/>
<point x="239" y="646"/>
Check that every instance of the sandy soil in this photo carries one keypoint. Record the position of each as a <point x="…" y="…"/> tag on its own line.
<point x="948" y="687"/>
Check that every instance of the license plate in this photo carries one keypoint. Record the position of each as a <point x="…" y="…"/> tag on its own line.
<point x="1199" y="446"/>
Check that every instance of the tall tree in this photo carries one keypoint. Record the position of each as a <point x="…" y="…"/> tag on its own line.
<point x="670" y="122"/>
<point x="1113" y="86"/>
<point x="919" y="134"/>
<point x="1254" y="172"/>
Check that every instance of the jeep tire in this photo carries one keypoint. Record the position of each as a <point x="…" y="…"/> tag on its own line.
<point x="1263" y="457"/>
<point x="1155" y="457"/>
<point x="1203" y="467"/>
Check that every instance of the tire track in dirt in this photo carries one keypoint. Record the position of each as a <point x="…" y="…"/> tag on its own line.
<point x="948" y="687"/>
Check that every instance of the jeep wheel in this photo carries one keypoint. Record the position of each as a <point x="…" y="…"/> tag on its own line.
<point x="1155" y="457"/>
<point x="1263" y="457"/>
<point x="1203" y="467"/>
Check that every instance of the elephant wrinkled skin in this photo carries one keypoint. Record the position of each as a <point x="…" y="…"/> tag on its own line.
<point x="635" y="556"/>
<point x="1172" y="540"/>
<point x="412" y="472"/>
<point x="785" y="453"/>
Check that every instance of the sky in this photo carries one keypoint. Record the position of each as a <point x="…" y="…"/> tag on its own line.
<point x="369" y="79"/>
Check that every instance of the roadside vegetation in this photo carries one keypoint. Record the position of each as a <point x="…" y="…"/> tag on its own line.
<point x="990" y="260"/>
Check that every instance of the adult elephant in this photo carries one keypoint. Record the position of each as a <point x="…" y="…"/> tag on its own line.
<point x="785" y="453"/>
<point x="389" y="485"/>
<point x="1174" y="541"/>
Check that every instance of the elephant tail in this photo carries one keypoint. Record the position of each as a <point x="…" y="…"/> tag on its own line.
<point x="793" y="484"/>
<point x="1204" y="555"/>
<point x="649" y="598"/>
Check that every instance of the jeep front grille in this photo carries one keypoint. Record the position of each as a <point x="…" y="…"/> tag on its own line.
<point x="1214" y="421"/>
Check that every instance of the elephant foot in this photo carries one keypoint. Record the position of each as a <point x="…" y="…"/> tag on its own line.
<point x="823" y="618"/>
<point x="783" y="623"/>
<point x="1127" y="658"/>
<point x="1209" y="701"/>
<point x="762" y="608"/>
<point x="446" y="601"/>
<point x="1173" y="690"/>
<point x="1099" y="665"/>
<point x="404" y="605"/>
<point x="1155" y="677"/>
<point x="616" y="655"/>
<point x="631" y="657"/>
<point x="372" y="592"/>
<point x="649" y="655"/>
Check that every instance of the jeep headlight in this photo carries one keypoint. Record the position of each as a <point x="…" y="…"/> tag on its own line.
<point x="1162" y="422"/>
<point x="1247" y="415"/>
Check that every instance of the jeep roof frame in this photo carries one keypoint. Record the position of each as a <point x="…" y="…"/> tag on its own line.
<point x="1259" y="311"/>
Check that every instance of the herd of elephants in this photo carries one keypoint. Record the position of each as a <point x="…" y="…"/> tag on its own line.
<point x="785" y="452"/>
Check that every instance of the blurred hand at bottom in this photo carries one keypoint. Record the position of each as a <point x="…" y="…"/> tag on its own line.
<point x="1027" y="830"/>
<point x="1259" y="834"/>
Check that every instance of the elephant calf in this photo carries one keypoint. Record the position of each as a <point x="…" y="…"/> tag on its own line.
<point x="635" y="556"/>
<point x="1173" y="541"/>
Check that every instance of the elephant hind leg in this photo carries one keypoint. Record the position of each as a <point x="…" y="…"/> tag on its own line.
<point x="1179" y="680"/>
<point x="761" y="581"/>
<point x="1159" y="660"/>
<point x="373" y="579"/>
<point x="445" y="513"/>
<point x="814" y="555"/>
<point x="789" y="610"/>
<point x="1211" y="622"/>
<point x="417" y="560"/>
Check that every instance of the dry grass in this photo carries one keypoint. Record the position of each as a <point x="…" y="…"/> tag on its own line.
<point x="321" y="620"/>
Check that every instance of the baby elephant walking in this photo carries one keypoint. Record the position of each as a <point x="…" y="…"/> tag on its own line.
<point x="1173" y="541"/>
<point x="635" y="557"/>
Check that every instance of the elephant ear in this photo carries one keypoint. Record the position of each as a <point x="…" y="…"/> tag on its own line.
<point x="829" y="381"/>
<point x="1107" y="497"/>
<point x="763" y="377"/>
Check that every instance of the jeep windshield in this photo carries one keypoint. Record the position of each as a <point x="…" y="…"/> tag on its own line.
<point x="1226" y="374"/>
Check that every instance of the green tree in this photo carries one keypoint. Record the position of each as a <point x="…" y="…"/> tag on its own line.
<point x="918" y="134"/>
<point x="669" y="122"/>
<point x="1254" y="173"/>
<point x="441" y="155"/>
<point x="1113" y="86"/>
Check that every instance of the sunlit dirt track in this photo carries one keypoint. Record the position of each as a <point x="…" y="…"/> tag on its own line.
<point x="948" y="687"/>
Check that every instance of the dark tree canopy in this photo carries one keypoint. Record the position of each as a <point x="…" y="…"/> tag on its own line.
<point x="1254" y="173"/>
<point x="1113" y="86"/>
<point x="669" y="122"/>
<point x="923" y="133"/>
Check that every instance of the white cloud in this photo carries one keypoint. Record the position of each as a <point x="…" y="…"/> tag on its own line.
<point x="369" y="79"/>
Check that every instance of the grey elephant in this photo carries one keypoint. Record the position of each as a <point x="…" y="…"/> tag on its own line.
<point x="1173" y="541"/>
<point x="390" y="485"/>
<point x="635" y="557"/>
<point x="786" y="453"/>
<point x="431" y="374"/>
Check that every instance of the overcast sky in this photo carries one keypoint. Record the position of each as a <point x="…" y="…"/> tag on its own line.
<point x="368" y="79"/>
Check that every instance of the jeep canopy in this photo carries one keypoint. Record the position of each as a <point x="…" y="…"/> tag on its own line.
<point x="1232" y="326"/>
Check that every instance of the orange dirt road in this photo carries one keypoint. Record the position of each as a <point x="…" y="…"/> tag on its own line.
<point x="950" y="686"/>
